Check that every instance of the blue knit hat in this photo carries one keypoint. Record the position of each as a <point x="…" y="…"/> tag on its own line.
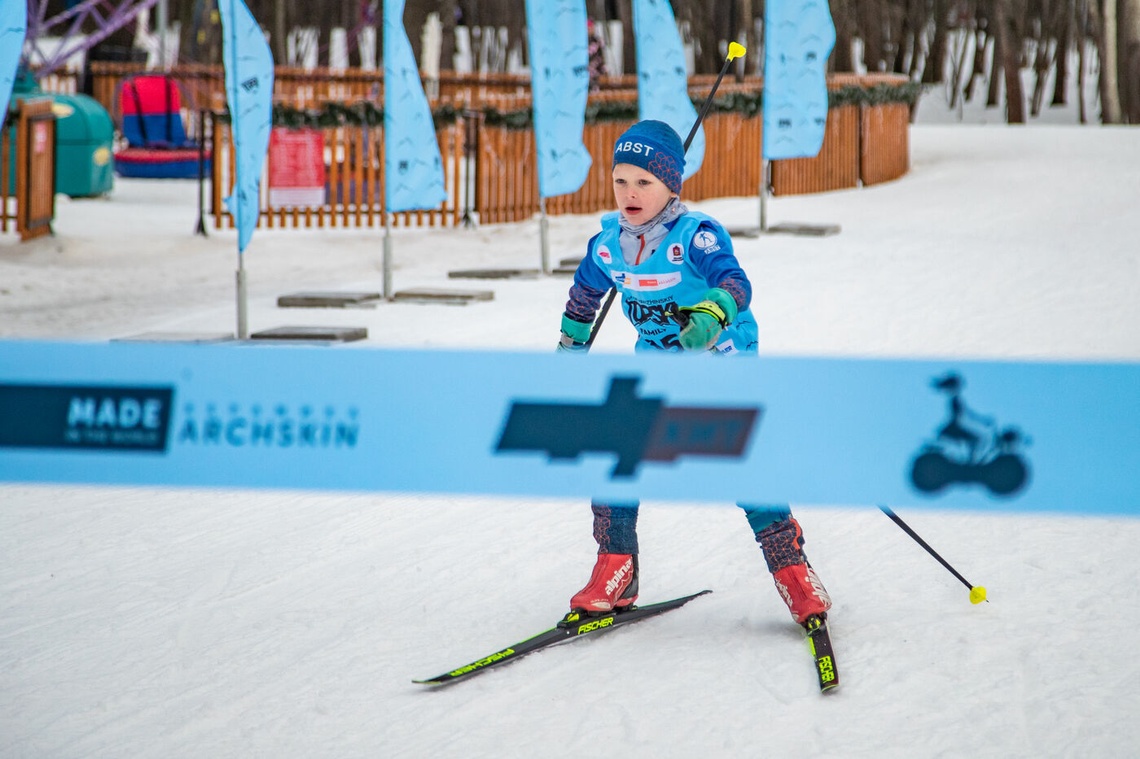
<point x="655" y="147"/>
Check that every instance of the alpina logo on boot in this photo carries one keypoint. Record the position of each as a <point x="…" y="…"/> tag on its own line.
<point x="817" y="587"/>
<point x="784" y="593"/>
<point x="619" y="575"/>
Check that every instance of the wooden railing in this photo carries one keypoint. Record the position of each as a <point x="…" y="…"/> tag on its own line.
<point x="203" y="87"/>
<point x="354" y="181"/>
<point x="28" y="204"/>
<point x="491" y="168"/>
<point x="884" y="143"/>
<point x="507" y="188"/>
<point x="862" y="145"/>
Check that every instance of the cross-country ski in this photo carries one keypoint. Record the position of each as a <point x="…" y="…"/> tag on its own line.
<point x="574" y="626"/>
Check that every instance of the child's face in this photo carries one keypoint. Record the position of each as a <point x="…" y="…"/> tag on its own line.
<point x="640" y="196"/>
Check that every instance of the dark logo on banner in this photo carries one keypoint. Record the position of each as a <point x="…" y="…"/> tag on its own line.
<point x="634" y="428"/>
<point x="969" y="448"/>
<point x="268" y="426"/>
<point x="117" y="418"/>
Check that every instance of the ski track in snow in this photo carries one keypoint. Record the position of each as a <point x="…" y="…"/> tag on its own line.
<point x="146" y="622"/>
<point x="192" y="622"/>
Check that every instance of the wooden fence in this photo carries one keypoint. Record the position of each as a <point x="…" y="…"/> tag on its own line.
<point x="507" y="174"/>
<point x="29" y="205"/>
<point x="354" y="180"/>
<point x="862" y="144"/>
<point x="203" y="87"/>
<point x="884" y="143"/>
<point x="491" y="168"/>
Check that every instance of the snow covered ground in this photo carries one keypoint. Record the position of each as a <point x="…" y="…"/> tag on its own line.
<point x="192" y="623"/>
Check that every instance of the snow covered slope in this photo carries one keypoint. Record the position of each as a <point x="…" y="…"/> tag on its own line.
<point x="194" y="623"/>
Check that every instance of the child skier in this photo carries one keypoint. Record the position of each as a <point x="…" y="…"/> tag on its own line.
<point x="695" y="280"/>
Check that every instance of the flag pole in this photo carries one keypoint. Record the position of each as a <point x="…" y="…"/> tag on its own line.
<point x="765" y="183"/>
<point x="235" y="126"/>
<point x="544" y="233"/>
<point x="387" y="263"/>
<point x="242" y="311"/>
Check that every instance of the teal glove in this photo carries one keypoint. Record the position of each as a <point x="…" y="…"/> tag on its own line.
<point x="575" y="336"/>
<point x="702" y="324"/>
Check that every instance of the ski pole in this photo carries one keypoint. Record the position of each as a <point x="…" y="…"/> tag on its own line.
<point x="601" y="317"/>
<point x="735" y="50"/>
<point x="977" y="592"/>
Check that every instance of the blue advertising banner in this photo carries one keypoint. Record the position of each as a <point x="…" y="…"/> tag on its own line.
<point x="413" y="168"/>
<point x="560" y="84"/>
<point x="249" y="93"/>
<point x="798" y="38"/>
<point x="13" y="29"/>
<point x="662" y="77"/>
<point x="981" y="435"/>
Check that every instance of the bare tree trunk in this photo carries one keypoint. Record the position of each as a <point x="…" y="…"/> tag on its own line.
<point x="1042" y="63"/>
<point x="910" y="45"/>
<point x="981" y="43"/>
<point x="997" y="55"/>
<point x="277" y="38"/>
<point x="957" y="60"/>
<point x="1133" y="79"/>
<point x="1067" y="37"/>
<point x="415" y="15"/>
<point x="871" y="19"/>
<point x="1106" y="44"/>
<point x="897" y="38"/>
<point x="934" y="70"/>
<point x="918" y="26"/>
<point x="1128" y="60"/>
<point x="629" y="54"/>
<point x="447" y="11"/>
<point x="471" y="20"/>
<point x="1084" y="20"/>
<point x="1008" y="38"/>
<point x="706" y="25"/>
<point x="744" y="35"/>
<point x="190" y="31"/>
<point x="844" y="20"/>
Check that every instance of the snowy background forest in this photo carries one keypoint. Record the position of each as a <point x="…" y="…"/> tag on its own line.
<point x="191" y="622"/>
<point x="978" y="49"/>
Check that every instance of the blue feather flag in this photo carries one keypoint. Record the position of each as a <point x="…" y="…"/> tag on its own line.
<point x="798" y="38"/>
<point x="662" y="76"/>
<point x="13" y="29"/>
<point x="249" y="93"/>
<point x="560" y="85"/>
<point x="413" y="168"/>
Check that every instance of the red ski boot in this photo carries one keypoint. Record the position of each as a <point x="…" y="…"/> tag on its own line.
<point x="612" y="585"/>
<point x="802" y="592"/>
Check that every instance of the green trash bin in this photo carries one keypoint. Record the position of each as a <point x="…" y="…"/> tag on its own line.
<point x="84" y="138"/>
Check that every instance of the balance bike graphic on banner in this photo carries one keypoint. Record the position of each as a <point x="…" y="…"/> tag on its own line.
<point x="969" y="448"/>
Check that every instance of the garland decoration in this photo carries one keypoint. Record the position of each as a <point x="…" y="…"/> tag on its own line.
<point x="748" y="104"/>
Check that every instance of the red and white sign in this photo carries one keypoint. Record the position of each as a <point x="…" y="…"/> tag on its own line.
<point x="296" y="168"/>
